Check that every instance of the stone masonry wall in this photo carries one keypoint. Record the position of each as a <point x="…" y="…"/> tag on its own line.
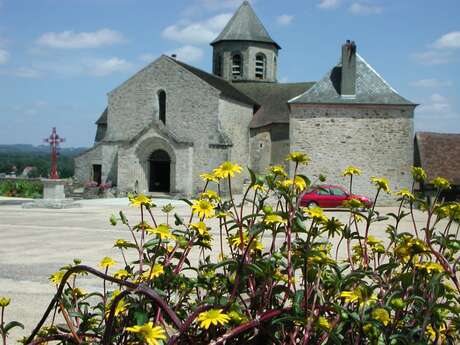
<point x="248" y="51"/>
<point x="84" y="163"/>
<point x="378" y="140"/>
<point x="234" y="121"/>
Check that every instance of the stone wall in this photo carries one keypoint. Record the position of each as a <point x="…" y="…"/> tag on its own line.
<point x="234" y="121"/>
<point x="248" y="51"/>
<point x="269" y="146"/>
<point x="377" y="139"/>
<point x="84" y="163"/>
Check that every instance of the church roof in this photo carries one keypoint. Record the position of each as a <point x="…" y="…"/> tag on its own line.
<point x="371" y="88"/>
<point x="245" y="26"/>
<point x="439" y="155"/>
<point x="273" y="98"/>
<point x="226" y="89"/>
<point x="103" y="118"/>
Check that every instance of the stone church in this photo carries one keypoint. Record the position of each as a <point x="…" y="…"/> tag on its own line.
<point x="171" y="121"/>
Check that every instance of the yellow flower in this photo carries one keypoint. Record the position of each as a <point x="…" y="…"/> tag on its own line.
<point x="324" y="323"/>
<point x="163" y="232"/>
<point x="56" y="277"/>
<point x="350" y="171"/>
<point x="440" y="183"/>
<point x="210" y="195"/>
<point x="431" y="333"/>
<point x="316" y="214"/>
<point x="358" y="295"/>
<point x="209" y="177"/>
<point x="278" y="170"/>
<point x="235" y="240"/>
<point x="382" y="315"/>
<point x="227" y="169"/>
<point x="155" y="272"/>
<point x="429" y="267"/>
<point x="298" y="157"/>
<point x="121" y="274"/>
<point x="121" y="244"/>
<point x="148" y="333"/>
<point x="375" y="244"/>
<point x="353" y="203"/>
<point x="107" y="262"/>
<point x="408" y="247"/>
<point x="404" y="193"/>
<point x="79" y="292"/>
<point x="121" y="306"/>
<point x="203" y="208"/>
<point x="274" y="219"/>
<point x="4" y="302"/>
<point x="212" y="316"/>
<point x="141" y="200"/>
<point x="201" y="228"/>
<point x="259" y="186"/>
<point x="381" y="183"/>
<point x="419" y="174"/>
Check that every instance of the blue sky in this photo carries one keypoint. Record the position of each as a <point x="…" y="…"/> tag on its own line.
<point x="60" y="58"/>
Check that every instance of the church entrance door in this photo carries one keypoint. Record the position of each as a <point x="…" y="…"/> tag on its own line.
<point x="160" y="171"/>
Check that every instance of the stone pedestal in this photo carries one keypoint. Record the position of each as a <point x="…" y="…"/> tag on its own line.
<point x="53" y="196"/>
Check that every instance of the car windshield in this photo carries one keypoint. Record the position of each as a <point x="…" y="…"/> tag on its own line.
<point x="322" y="191"/>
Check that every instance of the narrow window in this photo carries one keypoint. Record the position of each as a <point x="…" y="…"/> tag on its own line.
<point x="162" y="105"/>
<point x="237" y="65"/>
<point x="218" y="65"/>
<point x="260" y="66"/>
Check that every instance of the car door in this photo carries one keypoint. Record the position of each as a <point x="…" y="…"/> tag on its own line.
<point x="338" y="196"/>
<point x="323" y="196"/>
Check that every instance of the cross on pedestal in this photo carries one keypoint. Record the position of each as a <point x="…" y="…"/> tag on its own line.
<point x="54" y="140"/>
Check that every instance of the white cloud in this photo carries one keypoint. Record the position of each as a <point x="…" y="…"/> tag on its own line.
<point x="449" y="40"/>
<point x="201" y="32"/>
<point x="436" y="107"/>
<point x="187" y="53"/>
<point x="284" y="19"/>
<point x="4" y="56"/>
<point x="147" y="57"/>
<point x="430" y="83"/>
<point x="360" y="8"/>
<point x="74" y="40"/>
<point x="432" y="57"/>
<point x="329" y="4"/>
<point x="25" y="72"/>
<point x="105" y="67"/>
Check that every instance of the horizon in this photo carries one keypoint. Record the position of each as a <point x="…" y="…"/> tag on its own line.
<point x="59" y="60"/>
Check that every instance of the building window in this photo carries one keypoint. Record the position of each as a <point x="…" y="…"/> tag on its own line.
<point x="218" y="65"/>
<point x="162" y="105"/>
<point x="260" y="66"/>
<point x="237" y="65"/>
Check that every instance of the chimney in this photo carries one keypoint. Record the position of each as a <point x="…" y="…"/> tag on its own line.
<point x="348" y="82"/>
<point x="174" y="56"/>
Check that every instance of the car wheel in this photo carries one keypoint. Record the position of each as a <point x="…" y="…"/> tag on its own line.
<point x="312" y="204"/>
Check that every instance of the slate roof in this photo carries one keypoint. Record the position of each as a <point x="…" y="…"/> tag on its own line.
<point x="103" y="118"/>
<point x="245" y="26"/>
<point x="439" y="155"/>
<point x="371" y="88"/>
<point x="225" y="87"/>
<point x="273" y="98"/>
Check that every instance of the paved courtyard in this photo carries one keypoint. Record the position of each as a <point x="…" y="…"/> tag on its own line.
<point x="34" y="243"/>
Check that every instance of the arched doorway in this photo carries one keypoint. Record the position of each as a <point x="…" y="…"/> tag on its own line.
<point x="160" y="172"/>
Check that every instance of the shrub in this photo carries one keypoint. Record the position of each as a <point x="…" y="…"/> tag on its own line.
<point x="296" y="290"/>
<point x="21" y="188"/>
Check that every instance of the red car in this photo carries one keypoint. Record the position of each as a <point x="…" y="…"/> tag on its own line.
<point x="330" y="196"/>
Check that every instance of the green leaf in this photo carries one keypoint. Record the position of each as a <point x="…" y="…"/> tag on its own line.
<point x="253" y="177"/>
<point x="179" y="220"/>
<point x="10" y="325"/>
<point x="187" y="201"/>
<point x="141" y="317"/>
<point x="123" y="218"/>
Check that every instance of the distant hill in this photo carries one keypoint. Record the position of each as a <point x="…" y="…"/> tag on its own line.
<point x="23" y="155"/>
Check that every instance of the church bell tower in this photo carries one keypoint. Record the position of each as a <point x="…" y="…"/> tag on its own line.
<point x="244" y="51"/>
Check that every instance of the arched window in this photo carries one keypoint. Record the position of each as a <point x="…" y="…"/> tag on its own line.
<point x="237" y="65"/>
<point x="218" y="65"/>
<point x="260" y="66"/>
<point x="162" y="106"/>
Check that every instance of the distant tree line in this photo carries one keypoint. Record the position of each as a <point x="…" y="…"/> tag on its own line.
<point x="41" y="161"/>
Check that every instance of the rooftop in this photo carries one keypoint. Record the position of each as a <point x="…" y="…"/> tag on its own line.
<point x="245" y="26"/>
